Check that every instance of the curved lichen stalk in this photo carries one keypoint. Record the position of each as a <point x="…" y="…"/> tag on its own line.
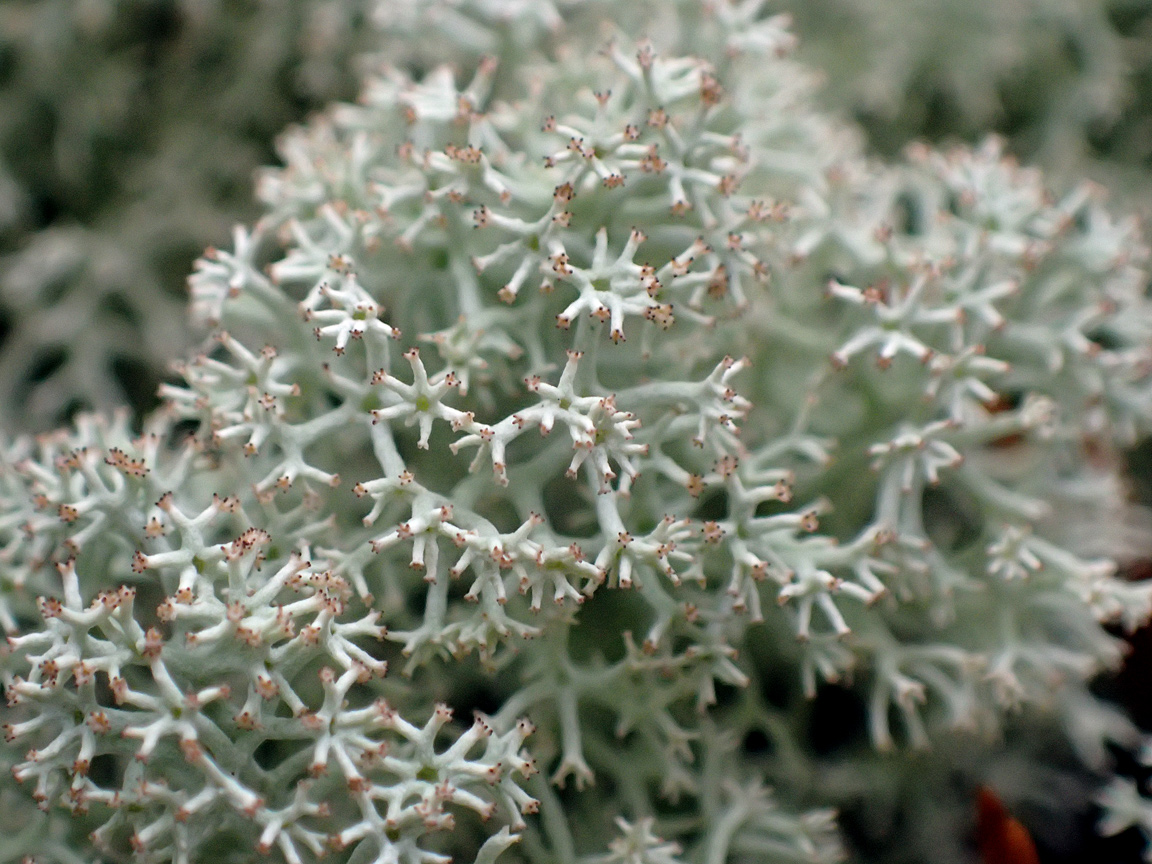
<point x="684" y="354"/>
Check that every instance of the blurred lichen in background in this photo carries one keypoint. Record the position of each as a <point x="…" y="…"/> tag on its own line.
<point x="1066" y="81"/>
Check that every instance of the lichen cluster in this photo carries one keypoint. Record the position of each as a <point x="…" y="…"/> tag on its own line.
<point x="586" y="375"/>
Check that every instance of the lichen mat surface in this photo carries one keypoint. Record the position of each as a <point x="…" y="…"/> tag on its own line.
<point x="583" y="411"/>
